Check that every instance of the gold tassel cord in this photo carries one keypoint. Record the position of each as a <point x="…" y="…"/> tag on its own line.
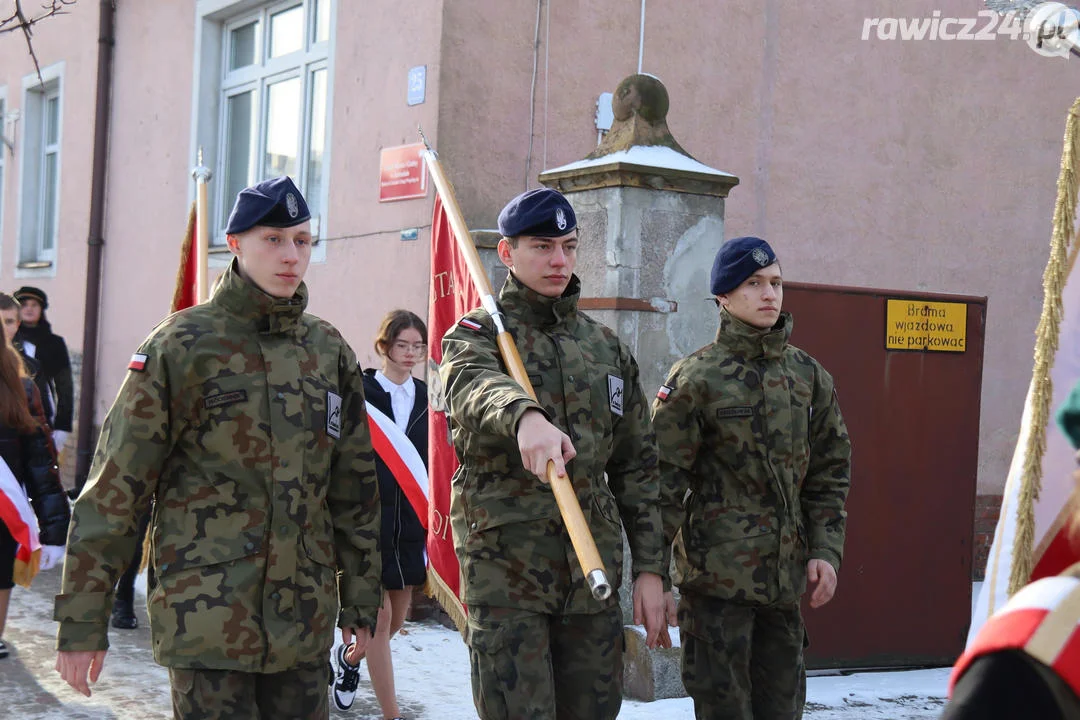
<point x="442" y="594"/>
<point x="1046" y="345"/>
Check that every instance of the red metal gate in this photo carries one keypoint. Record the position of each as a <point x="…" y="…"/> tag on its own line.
<point x="904" y="594"/>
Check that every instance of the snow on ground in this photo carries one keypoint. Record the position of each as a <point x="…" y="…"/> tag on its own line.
<point x="431" y="669"/>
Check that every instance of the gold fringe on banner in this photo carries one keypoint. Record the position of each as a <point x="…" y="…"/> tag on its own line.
<point x="1046" y="345"/>
<point x="441" y="592"/>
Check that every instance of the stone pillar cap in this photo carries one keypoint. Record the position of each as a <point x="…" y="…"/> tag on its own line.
<point x="640" y="151"/>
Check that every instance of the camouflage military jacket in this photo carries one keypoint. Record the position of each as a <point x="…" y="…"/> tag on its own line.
<point x="751" y="427"/>
<point x="243" y="420"/>
<point x="512" y="545"/>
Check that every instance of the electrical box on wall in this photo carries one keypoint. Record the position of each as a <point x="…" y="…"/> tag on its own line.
<point x="604" y="114"/>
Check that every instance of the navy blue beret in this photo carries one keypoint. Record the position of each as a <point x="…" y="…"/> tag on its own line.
<point x="272" y="203"/>
<point x="737" y="260"/>
<point x="538" y="213"/>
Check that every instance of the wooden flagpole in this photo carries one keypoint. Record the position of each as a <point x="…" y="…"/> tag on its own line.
<point x="580" y="535"/>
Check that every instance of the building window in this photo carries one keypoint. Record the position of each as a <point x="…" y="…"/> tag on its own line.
<point x="7" y="145"/>
<point x="42" y="133"/>
<point x="273" y="102"/>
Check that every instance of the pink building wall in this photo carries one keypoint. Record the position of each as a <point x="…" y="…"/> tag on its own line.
<point x="918" y="165"/>
<point x="72" y="41"/>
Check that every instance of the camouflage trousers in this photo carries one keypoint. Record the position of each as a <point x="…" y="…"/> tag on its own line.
<point x="742" y="662"/>
<point x="300" y="694"/>
<point x="530" y="666"/>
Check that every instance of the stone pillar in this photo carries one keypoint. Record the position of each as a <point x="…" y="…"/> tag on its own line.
<point x="650" y="219"/>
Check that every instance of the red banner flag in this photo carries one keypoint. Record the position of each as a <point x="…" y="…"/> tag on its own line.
<point x="186" y="292"/>
<point x="452" y="295"/>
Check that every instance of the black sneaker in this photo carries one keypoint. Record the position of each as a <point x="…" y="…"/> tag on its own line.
<point x="347" y="678"/>
<point x="3" y="650"/>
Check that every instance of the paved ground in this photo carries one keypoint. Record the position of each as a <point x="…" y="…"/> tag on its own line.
<point x="431" y="669"/>
<point x="132" y="685"/>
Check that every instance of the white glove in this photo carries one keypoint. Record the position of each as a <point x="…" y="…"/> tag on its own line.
<point x="59" y="437"/>
<point x="51" y="556"/>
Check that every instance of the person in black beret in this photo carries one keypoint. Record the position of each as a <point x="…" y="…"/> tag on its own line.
<point x="243" y="420"/>
<point x="750" y="427"/>
<point x="520" y="577"/>
<point x="36" y="339"/>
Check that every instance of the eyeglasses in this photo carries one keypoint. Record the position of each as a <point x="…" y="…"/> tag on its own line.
<point x="418" y="348"/>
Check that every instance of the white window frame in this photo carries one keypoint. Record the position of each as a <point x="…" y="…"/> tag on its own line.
<point x="7" y="135"/>
<point x="31" y="258"/>
<point x="214" y="83"/>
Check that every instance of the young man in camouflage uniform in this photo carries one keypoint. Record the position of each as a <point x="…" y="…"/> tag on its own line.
<point x="243" y="420"/>
<point x="540" y="645"/>
<point x="751" y="427"/>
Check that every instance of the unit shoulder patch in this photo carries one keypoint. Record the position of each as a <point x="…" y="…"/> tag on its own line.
<point x="615" y="394"/>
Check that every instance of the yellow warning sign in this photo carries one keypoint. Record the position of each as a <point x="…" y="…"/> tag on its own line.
<point x="926" y="326"/>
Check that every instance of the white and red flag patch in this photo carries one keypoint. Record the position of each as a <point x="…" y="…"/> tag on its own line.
<point x="663" y="392"/>
<point x="471" y="324"/>
<point x="138" y="362"/>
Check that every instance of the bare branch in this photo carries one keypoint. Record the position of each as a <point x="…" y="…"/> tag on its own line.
<point x="18" y="20"/>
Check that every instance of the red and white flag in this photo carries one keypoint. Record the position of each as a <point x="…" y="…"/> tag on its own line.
<point x="16" y="513"/>
<point x="395" y="449"/>
<point x="1052" y="551"/>
<point x="186" y="291"/>
<point x="452" y="295"/>
<point x="1041" y="621"/>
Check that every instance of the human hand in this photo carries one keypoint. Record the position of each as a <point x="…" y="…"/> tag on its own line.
<point x="540" y="441"/>
<point x="650" y="609"/>
<point x="73" y="667"/>
<point x="820" y="576"/>
<point x="51" y="556"/>
<point x="359" y="637"/>
<point x="670" y="610"/>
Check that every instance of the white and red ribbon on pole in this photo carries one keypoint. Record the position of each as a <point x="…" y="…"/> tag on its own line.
<point x="16" y="513"/>
<point x="395" y="449"/>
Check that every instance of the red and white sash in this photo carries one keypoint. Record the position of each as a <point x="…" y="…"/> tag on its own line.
<point x="16" y="513"/>
<point x="1042" y="620"/>
<point x="395" y="449"/>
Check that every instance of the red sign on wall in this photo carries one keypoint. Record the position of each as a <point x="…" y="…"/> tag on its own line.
<point x="402" y="174"/>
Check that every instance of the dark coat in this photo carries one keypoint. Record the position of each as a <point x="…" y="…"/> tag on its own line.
<point x="1010" y="685"/>
<point x="30" y="458"/>
<point x="33" y="369"/>
<point x="51" y="352"/>
<point x="403" y="537"/>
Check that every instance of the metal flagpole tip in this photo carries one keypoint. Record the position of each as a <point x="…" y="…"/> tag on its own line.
<point x="598" y="583"/>
<point x="200" y="172"/>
